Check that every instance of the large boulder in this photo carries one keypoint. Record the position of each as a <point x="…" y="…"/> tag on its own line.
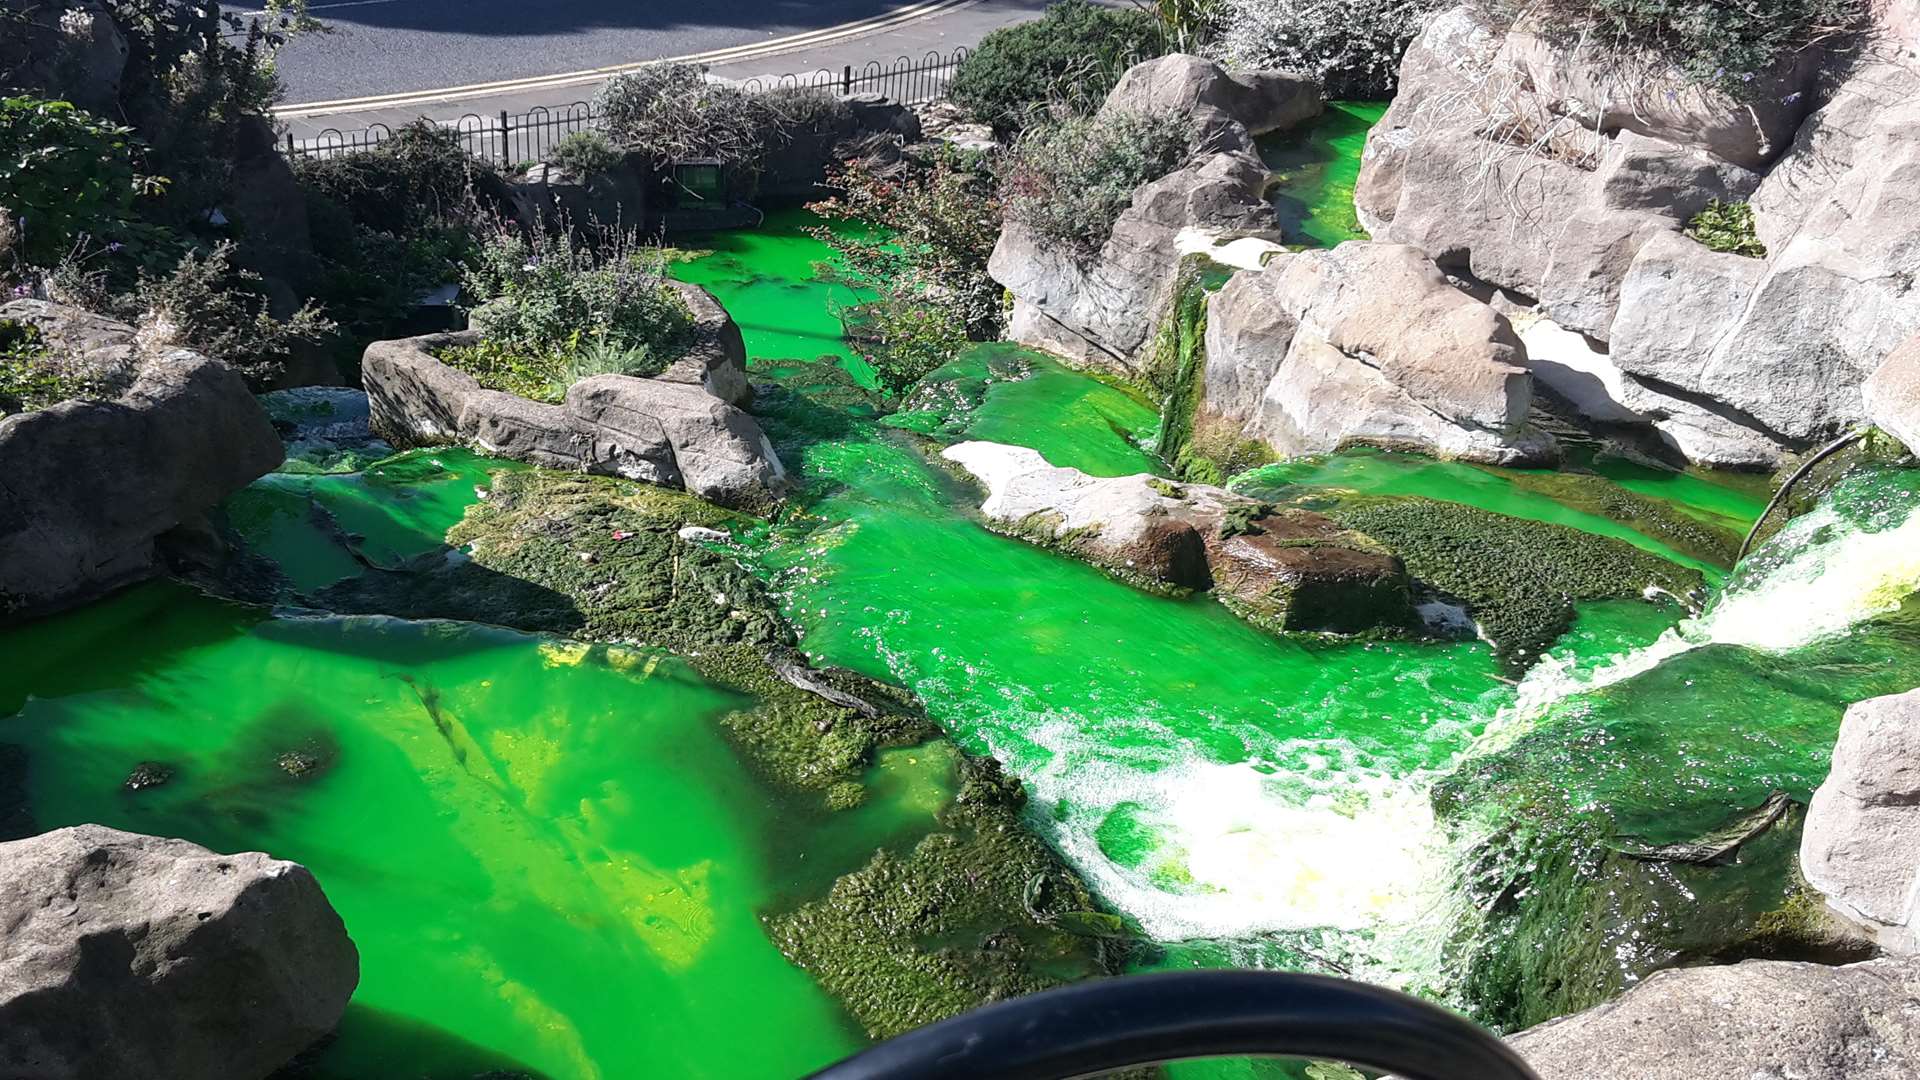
<point x="1368" y="344"/>
<point x="1892" y="394"/>
<point x="73" y="52"/>
<point x="124" y="955"/>
<point x="1861" y="844"/>
<point x="556" y="196"/>
<point x="1760" y="1019"/>
<point x="1565" y="173"/>
<point x="679" y="429"/>
<point x="1283" y="569"/>
<point x="1101" y="309"/>
<point x="89" y="490"/>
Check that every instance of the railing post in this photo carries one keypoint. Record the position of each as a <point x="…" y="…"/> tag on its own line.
<point x="289" y="146"/>
<point x="506" y="149"/>
<point x="846" y="79"/>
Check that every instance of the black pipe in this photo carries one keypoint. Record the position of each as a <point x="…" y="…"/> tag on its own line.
<point x="1094" y="1027"/>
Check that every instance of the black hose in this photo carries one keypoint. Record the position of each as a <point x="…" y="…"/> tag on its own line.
<point x="1780" y="496"/>
<point x="1094" y="1027"/>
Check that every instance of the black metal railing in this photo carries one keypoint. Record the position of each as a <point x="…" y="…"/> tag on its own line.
<point x="511" y="139"/>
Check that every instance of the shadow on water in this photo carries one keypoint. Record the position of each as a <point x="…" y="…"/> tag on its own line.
<point x="370" y="1040"/>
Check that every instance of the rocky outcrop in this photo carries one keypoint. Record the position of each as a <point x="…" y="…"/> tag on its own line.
<point x="681" y="428"/>
<point x="73" y="53"/>
<point x="1861" y="844"/>
<point x="1565" y="175"/>
<point x="1762" y="1018"/>
<point x="1368" y="344"/>
<point x="90" y="490"/>
<point x="1892" y="394"/>
<point x="556" y="196"/>
<point x="1282" y="569"/>
<point x="1100" y="310"/>
<point x="128" y="955"/>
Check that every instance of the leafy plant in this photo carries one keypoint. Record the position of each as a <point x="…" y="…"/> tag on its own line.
<point x="1353" y="47"/>
<point x="1069" y="180"/>
<point x="1071" y="56"/>
<point x="64" y="175"/>
<point x="1728" y="227"/>
<point x="1724" y="43"/>
<point x="1185" y="25"/>
<point x="212" y="307"/>
<point x="584" y="153"/>
<point x="546" y="375"/>
<point x="549" y="292"/>
<point x="31" y="377"/>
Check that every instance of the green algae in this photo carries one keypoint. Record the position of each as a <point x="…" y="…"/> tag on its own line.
<point x="1649" y="517"/>
<point x="1519" y="579"/>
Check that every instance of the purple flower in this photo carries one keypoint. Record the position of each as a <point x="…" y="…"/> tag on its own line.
<point x="115" y="246"/>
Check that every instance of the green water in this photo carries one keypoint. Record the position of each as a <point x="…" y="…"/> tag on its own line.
<point x="1315" y="169"/>
<point x="552" y="860"/>
<point x="548" y="856"/>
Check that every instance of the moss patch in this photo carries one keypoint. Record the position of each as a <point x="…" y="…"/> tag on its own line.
<point x="1649" y="517"/>
<point x="1518" y="578"/>
<point x="979" y="911"/>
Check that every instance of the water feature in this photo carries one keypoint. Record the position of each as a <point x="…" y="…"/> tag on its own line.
<point x="553" y="860"/>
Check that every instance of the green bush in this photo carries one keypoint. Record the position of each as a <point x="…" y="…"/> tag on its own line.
<point x="1728" y="227"/>
<point x="584" y="153"/>
<point x="1068" y="180"/>
<point x="212" y="307"/>
<point x="66" y="176"/>
<point x="552" y="294"/>
<point x="1072" y="55"/>
<point x="1720" y="42"/>
<point x="422" y="174"/>
<point x="672" y="113"/>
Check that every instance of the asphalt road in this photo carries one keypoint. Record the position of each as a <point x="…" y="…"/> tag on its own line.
<point x="394" y="46"/>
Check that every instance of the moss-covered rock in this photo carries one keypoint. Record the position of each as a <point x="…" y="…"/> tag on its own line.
<point x="1518" y="578"/>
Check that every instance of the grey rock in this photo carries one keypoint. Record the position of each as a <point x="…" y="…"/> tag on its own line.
<point x="557" y="196"/>
<point x="1368" y="344"/>
<point x="1760" y="1019"/>
<point x="1259" y="102"/>
<point x="878" y="114"/>
<point x="1100" y="309"/>
<point x="84" y="67"/>
<point x="1861" y="844"/>
<point x="87" y="487"/>
<point x="1285" y="570"/>
<point x="674" y="430"/>
<point x="1892" y="394"/>
<point x="719" y="451"/>
<point x="128" y="955"/>
<point x="716" y="358"/>
<point x="412" y="398"/>
<point x="1676" y="182"/>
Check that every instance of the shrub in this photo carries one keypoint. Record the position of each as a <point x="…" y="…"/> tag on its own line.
<point x="672" y="113"/>
<point x="1072" y="55"/>
<point x="584" y="153"/>
<point x="420" y="175"/>
<point x="30" y="376"/>
<point x="65" y="175"/>
<point x="1352" y="47"/>
<point x="1719" y="42"/>
<point x="549" y="293"/>
<point x="1068" y="180"/>
<point x="208" y="305"/>
<point x="1728" y="227"/>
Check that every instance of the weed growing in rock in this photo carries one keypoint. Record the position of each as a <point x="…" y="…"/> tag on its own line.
<point x="553" y="293"/>
<point x="1728" y="227"/>
<point x="1069" y="180"/>
<point x="1072" y="56"/>
<point x="30" y="376"/>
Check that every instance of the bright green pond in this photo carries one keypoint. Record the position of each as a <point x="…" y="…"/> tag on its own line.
<point x="552" y="861"/>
